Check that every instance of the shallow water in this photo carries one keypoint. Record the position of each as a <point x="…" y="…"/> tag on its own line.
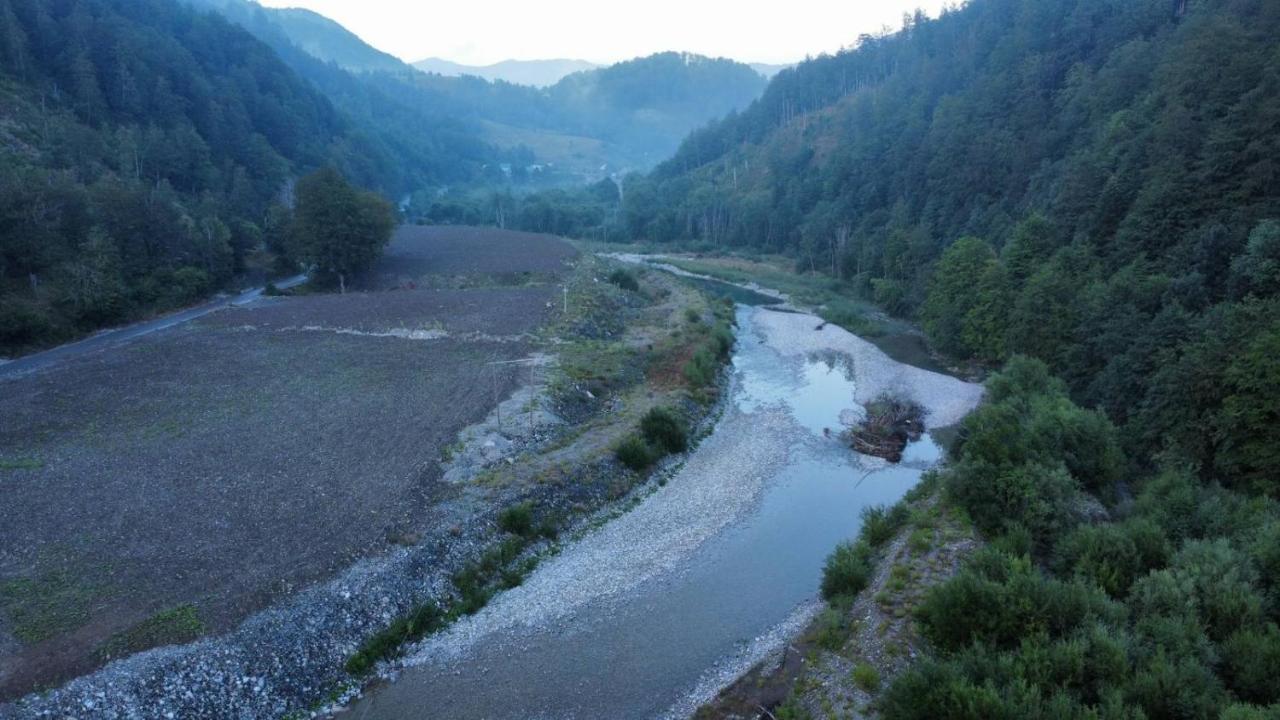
<point x="639" y="654"/>
<point x="738" y="294"/>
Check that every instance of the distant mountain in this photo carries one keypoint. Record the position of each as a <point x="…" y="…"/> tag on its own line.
<point x="327" y="40"/>
<point x="650" y="104"/>
<point x="311" y="32"/>
<point x="447" y="129"/>
<point x="537" y="73"/>
<point x="768" y="70"/>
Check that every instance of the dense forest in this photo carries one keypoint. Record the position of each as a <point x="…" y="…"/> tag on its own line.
<point x="146" y="148"/>
<point x="1164" y="605"/>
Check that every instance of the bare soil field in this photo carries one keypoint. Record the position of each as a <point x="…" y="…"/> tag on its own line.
<point x="423" y="254"/>
<point x="166" y="489"/>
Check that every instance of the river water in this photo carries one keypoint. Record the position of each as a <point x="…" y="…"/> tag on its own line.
<point x="653" y="612"/>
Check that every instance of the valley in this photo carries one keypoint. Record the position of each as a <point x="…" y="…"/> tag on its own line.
<point x="935" y="375"/>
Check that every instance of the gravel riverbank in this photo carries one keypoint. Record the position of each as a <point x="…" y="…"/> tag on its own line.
<point x="652" y="613"/>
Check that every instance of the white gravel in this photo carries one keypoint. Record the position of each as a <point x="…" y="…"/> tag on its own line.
<point x="720" y="481"/>
<point x="945" y="399"/>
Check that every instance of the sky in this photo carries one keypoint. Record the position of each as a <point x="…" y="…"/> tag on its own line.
<point x="480" y="32"/>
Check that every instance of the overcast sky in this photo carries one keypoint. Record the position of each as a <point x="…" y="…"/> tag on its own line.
<point x="480" y="32"/>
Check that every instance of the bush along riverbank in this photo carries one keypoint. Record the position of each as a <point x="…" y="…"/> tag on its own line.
<point x="1084" y="601"/>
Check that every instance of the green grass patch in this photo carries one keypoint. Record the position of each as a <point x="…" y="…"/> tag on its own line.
<point x="171" y="626"/>
<point x="387" y="644"/>
<point x="499" y="568"/>
<point x="48" y="604"/>
<point x="921" y="540"/>
<point x="833" y="625"/>
<point x="518" y="520"/>
<point x="703" y="368"/>
<point x="20" y="463"/>
<point x="866" y="677"/>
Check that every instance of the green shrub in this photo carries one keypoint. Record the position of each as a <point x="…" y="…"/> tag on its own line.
<point x="624" y="280"/>
<point x="1021" y="378"/>
<point x="866" y="676"/>
<point x="1218" y="580"/>
<point x="419" y="622"/>
<point x="880" y="524"/>
<point x="847" y="570"/>
<point x="1028" y="420"/>
<point x="932" y="689"/>
<point x="1176" y="687"/>
<point x="1264" y="550"/>
<point x="23" y="322"/>
<point x="998" y="600"/>
<point x="1113" y="555"/>
<point x="635" y="453"/>
<point x="1251" y="712"/>
<point x="188" y="284"/>
<point x="662" y="428"/>
<point x="1038" y="497"/>
<point x="831" y="628"/>
<point x="701" y="368"/>
<point x="517" y="520"/>
<point x="1252" y="659"/>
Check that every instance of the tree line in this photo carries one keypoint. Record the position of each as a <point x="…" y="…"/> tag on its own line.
<point x="148" y="158"/>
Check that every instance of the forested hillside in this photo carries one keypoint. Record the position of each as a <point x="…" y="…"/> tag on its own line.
<point x="1092" y="183"/>
<point x="421" y="134"/>
<point x="1111" y="164"/>
<point x="445" y="129"/>
<point x="141" y="147"/>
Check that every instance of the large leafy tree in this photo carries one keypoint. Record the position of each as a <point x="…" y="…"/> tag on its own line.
<point x="337" y="228"/>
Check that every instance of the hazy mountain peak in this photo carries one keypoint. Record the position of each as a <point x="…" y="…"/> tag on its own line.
<point x="538" y="73"/>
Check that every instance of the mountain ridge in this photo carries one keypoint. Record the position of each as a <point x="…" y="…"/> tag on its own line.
<point x="535" y="73"/>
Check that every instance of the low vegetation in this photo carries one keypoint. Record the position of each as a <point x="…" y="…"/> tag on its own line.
<point x="415" y="625"/>
<point x="703" y="368"/>
<point x="55" y="599"/>
<point x="850" y="566"/>
<point x="624" y="279"/>
<point x="1166" y="609"/>
<point x="662" y="432"/>
<point x="502" y="566"/>
<point x="171" y="626"/>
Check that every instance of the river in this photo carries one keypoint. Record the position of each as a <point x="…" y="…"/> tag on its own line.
<point x="652" y="613"/>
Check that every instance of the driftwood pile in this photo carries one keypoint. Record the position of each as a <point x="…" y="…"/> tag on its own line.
<point x="889" y="425"/>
